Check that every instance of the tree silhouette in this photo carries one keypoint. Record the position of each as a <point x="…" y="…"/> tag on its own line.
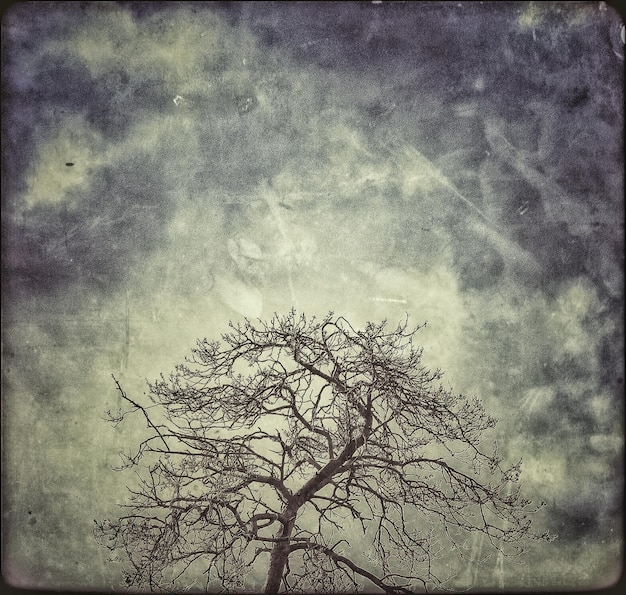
<point x="276" y="445"/>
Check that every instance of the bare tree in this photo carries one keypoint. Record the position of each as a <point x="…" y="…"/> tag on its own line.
<point x="278" y="441"/>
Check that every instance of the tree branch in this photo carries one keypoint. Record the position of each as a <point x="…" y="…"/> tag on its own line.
<point x="138" y="406"/>
<point x="339" y="559"/>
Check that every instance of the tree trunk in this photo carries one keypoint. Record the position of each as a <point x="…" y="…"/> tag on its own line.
<point x="280" y="553"/>
<point x="281" y="550"/>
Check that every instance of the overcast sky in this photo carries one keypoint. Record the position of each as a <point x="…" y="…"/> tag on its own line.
<point x="168" y="167"/>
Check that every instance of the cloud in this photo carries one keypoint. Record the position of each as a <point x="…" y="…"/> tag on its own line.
<point x="63" y="163"/>
<point x="168" y="47"/>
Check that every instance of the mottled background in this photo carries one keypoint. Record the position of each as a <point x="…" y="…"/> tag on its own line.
<point x="170" y="166"/>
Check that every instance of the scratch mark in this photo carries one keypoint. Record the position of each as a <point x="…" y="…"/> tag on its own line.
<point x="391" y="300"/>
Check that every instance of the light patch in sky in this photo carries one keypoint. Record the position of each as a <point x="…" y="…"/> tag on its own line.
<point x="579" y="299"/>
<point x="577" y="307"/>
<point x="549" y="473"/>
<point x="532" y="15"/>
<point x="165" y="49"/>
<point x="431" y="296"/>
<point x="64" y="163"/>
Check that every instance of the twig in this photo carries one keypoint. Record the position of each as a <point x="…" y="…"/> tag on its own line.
<point x="138" y="406"/>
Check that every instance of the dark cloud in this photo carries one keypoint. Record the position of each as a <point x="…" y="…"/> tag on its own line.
<point x="100" y="237"/>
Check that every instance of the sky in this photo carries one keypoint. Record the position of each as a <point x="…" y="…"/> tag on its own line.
<point x="168" y="167"/>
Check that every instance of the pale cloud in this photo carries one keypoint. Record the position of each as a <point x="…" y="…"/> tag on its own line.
<point x="64" y="162"/>
<point x="548" y="472"/>
<point x="572" y="318"/>
<point x="602" y="407"/>
<point x="177" y="49"/>
<point x="160" y="48"/>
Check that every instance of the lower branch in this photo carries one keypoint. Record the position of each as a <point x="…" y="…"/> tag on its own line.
<point x="339" y="559"/>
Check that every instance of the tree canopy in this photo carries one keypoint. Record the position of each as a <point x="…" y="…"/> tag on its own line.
<point x="283" y="443"/>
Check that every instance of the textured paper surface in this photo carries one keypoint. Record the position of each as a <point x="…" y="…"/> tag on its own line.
<point x="168" y="167"/>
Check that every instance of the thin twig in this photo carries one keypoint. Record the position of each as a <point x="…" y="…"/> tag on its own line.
<point x="138" y="406"/>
